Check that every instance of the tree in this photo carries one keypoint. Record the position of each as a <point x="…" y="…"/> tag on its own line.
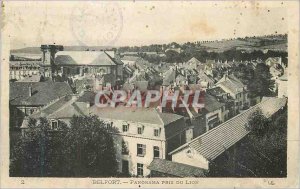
<point x="85" y="149"/>
<point x="89" y="148"/>
<point x="258" y="123"/>
<point x="262" y="84"/>
<point x="36" y="153"/>
<point x="257" y="155"/>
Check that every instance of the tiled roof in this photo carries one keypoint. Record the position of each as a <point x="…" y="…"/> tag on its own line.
<point x="96" y="58"/>
<point x="214" y="142"/>
<point x="42" y="92"/>
<point x="176" y="169"/>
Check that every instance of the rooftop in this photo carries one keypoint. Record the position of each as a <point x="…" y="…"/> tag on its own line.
<point x="42" y="92"/>
<point x="214" y="142"/>
<point x="211" y="103"/>
<point x="231" y="83"/>
<point x="134" y="114"/>
<point x="92" y="58"/>
<point x="176" y="169"/>
<point x="130" y="58"/>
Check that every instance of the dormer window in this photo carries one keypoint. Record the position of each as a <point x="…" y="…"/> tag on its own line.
<point x="156" y="132"/>
<point x="54" y="125"/>
<point x="125" y="127"/>
<point x="140" y="130"/>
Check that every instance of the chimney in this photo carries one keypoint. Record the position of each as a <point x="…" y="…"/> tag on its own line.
<point x="30" y="91"/>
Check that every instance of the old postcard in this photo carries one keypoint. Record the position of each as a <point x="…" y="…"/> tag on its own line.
<point x="149" y="94"/>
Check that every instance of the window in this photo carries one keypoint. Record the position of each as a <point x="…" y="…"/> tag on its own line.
<point x="141" y="150"/>
<point x="156" y="132"/>
<point x="125" y="150"/>
<point x="140" y="131"/>
<point x="109" y="125"/>
<point x="140" y="169"/>
<point x="54" y="125"/>
<point x="125" y="127"/>
<point x="125" y="167"/>
<point x="156" y="151"/>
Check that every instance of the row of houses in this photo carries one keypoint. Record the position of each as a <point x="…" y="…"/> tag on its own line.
<point x="148" y="141"/>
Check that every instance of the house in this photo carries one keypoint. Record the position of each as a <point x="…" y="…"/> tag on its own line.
<point x="205" y="81"/>
<point x="214" y="111"/>
<point x="193" y="63"/>
<point x="26" y="98"/>
<point x="19" y="70"/>
<point x="203" y="150"/>
<point x="169" y="77"/>
<point x="273" y="60"/>
<point x="237" y="90"/>
<point x="99" y="66"/>
<point x="130" y="60"/>
<point x="141" y="134"/>
<point x="282" y="84"/>
<point x="165" y="168"/>
<point x="225" y="98"/>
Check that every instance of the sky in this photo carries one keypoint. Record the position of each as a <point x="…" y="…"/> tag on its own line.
<point x="98" y="23"/>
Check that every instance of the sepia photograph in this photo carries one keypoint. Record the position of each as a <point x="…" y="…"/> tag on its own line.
<point x="133" y="92"/>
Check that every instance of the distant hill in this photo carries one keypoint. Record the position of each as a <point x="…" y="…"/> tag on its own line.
<point x="249" y="44"/>
<point x="37" y="50"/>
<point x="271" y="42"/>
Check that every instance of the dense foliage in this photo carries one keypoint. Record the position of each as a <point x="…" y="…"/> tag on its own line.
<point x="262" y="153"/>
<point x="85" y="149"/>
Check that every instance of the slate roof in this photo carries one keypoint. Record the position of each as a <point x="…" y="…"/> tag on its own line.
<point x="193" y="61"/>
<point x="42" y="92"/>
<point x="211" y="103"/>
<point x="87" y="96"/>
<point x="94" y="58"/>
<point x="130" y="58"/>
<point x="26" y="63"/>
<point x="203" y="77"/>
<point x="31" y="78"/>
<point x="231" y="83"/>
<point x="216" y="91"/>
<point x="169" y="77"/>
<point x="142" y="115"/>
<point x="176" y="169"/>
<point x="168" y="118"/>
<point x="71" y="108"/>
<point x="53" y="107"/>
<point x="214" y="142"/>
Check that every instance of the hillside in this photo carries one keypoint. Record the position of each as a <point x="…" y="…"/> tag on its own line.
<point x="37" y="50"/>
<point x="249" y="44"/>
<point x="275" y="43"/>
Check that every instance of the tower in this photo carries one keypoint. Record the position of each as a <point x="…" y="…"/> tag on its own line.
<point x="49" y="52"/>
<point x="48" y="57"/>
